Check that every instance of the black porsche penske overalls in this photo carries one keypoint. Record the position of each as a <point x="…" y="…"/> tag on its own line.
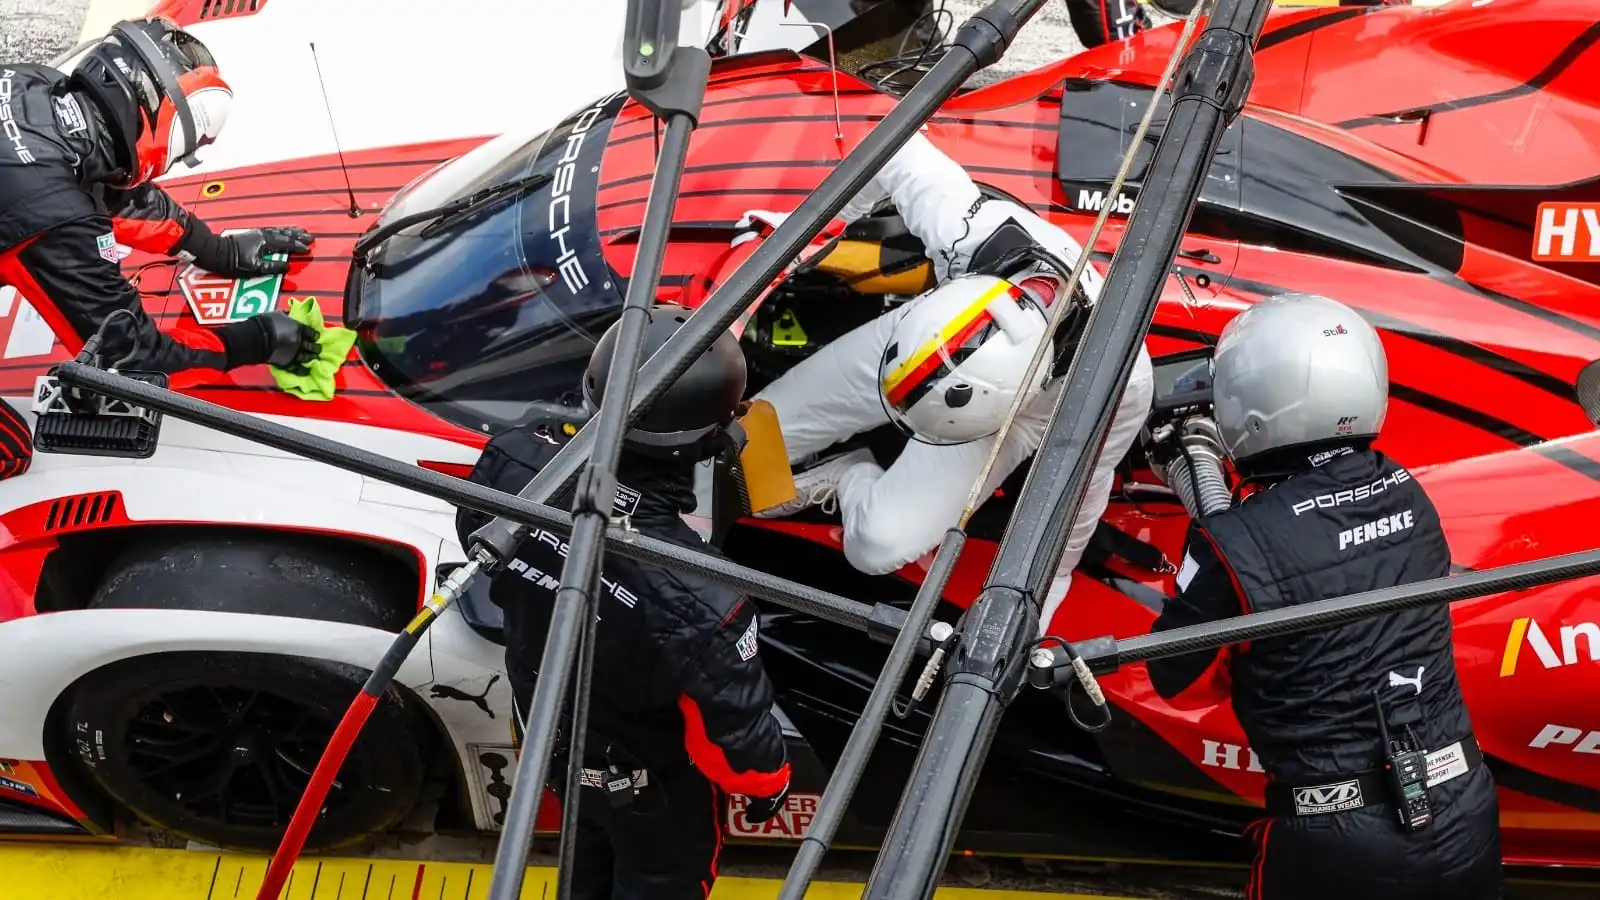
<point x="1357" y="523"/>
<point x="681" y="706"/>
<point x="60" y="227"/>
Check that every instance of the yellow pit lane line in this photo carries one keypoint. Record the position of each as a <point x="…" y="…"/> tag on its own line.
<point x="53" y="872"/>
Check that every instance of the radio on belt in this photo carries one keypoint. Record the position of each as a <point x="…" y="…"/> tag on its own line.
<point x="1405" y="769"/>
<point x="619" y="787"/>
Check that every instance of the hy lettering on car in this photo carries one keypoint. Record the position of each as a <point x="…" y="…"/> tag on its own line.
<point x="1218" y="755"/>
<point x="1567" y="232"/>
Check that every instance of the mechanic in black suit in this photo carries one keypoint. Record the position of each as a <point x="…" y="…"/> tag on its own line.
<point x="1300" y="388"/>
<point x="77" y="161"/>
<point x="681" y="710"/>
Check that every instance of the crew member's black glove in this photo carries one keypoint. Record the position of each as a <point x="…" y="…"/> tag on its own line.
<point x="272" y="338"/>
<point x="761" y="809"/>
<point x="242" y="253"/>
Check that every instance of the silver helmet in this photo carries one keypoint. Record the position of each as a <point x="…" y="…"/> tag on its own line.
<point x="1294" y="370"/>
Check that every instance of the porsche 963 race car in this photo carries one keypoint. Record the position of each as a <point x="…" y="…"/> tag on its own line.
<point x="183" y="631"/>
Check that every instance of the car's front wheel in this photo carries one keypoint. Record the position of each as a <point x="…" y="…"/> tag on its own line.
<point x="217" y="747"/>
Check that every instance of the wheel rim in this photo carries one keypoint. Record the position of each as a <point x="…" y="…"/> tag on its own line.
<point x="234" y="756"/>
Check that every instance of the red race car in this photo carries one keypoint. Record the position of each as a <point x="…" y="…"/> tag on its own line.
<point x="1395" y="159"/>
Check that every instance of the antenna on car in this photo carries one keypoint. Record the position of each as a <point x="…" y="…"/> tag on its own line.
<point x="833" y="67"/>
<point x="355" y="208"/>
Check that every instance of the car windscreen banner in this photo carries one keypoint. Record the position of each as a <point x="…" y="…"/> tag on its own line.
<point x="559" y="227"/>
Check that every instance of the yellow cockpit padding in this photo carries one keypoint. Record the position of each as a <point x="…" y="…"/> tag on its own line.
<point x="872" y="267"/>
<point x="768" y="480"/>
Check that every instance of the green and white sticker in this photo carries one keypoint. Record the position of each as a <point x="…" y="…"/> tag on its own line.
<point x="218" y="300"/>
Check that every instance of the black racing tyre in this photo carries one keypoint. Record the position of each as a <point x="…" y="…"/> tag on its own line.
<point x="265" y="572"/>
<point x="217" y="747"/>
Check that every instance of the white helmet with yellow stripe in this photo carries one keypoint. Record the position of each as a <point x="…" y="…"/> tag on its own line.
<point x="958" y="357"/>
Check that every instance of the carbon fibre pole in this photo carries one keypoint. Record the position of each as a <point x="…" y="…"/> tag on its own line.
<point x="1105" y="655"/>
<point x="879" y="620"/>
<point x="979" y="42"/>
<point x="671" y="82"/>
<point x="988" y="666"/>
<point x="847" y="772"/>
<point x="863" y="739"/>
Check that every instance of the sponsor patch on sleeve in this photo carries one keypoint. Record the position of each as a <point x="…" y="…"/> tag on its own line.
<point x="626" y="502"/>
<point x="70" y="115"/>
<point x="110" y="250"/>
<point x="747" y="642"/>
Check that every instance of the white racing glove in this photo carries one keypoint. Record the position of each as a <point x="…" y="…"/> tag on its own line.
<point x="761" y="223"/>
<point x="758" y="223"/>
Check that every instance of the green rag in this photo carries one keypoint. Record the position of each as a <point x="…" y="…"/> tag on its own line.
<point x="335" y="342"/>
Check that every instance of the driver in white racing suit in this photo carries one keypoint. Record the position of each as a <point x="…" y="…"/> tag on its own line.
<point x="893" y="517"/>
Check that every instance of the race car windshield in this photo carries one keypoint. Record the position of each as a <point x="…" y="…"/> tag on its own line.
<point x="487" y="312"/>
<point x="435" y="219"/>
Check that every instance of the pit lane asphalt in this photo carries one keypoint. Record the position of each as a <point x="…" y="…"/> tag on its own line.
<point x="34" y="31"/>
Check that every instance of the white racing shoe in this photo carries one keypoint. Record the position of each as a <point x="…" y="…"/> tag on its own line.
<point x="819" y="486"/>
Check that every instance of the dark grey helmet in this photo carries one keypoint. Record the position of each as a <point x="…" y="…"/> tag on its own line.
<point x="695" y="419"/>
<point x="1298" y="369"/>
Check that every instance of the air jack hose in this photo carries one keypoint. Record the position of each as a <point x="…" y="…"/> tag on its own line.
<point x="355" y="718"/>
<point x="1195" y="471"/>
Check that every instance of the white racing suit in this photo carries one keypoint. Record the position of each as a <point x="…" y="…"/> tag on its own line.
<point x="897" y="516"/>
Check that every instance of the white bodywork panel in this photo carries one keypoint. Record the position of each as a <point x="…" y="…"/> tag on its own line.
<point x="42" y="655"/>
<point x="466" y="665"/>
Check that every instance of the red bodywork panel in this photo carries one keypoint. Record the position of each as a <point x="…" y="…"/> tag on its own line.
<point x="310" y="193"/>
<point x="1482" y="363"/>
<point x="1482" y="359"/>
<point x="191" y="12"/>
